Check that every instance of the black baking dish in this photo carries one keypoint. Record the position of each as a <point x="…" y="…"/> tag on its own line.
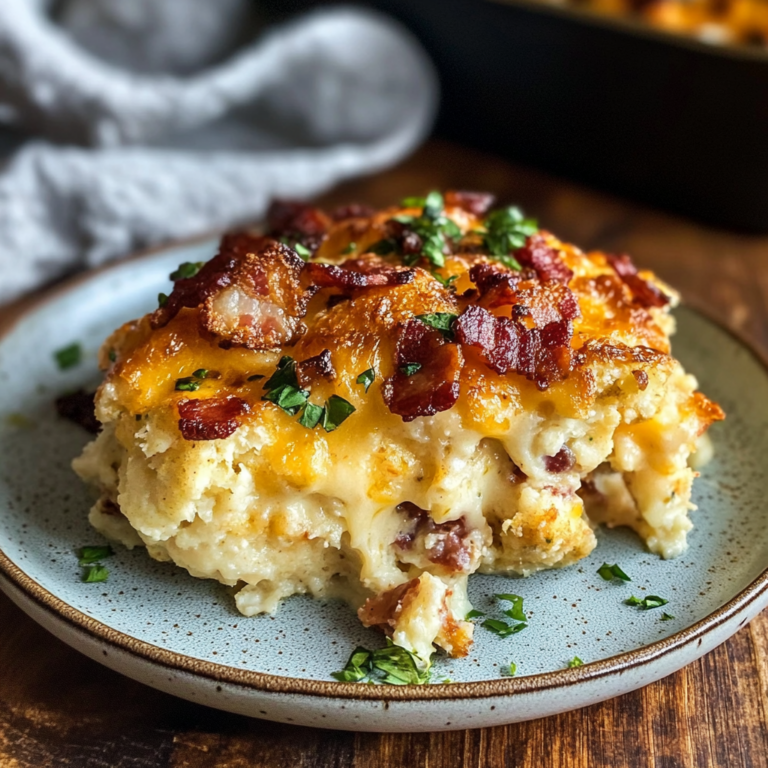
<point x="662" y="118"/>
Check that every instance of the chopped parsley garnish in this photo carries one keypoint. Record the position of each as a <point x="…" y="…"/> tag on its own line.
<point x="667" y="616"/>
<point x="512" y="669"/>
<point x="393" y="665"/>
<point x="610" y="572"/>
<point x="413" y="202"/>
<point x="410" y="368"/>
<point x="433" y="228"/>
<point x="162" y="299"/>
<point x="68" y="357"/>
<point x="473" y="614"/>
<point x="349" y="249"/>
<point x="441" y="321"/>
<point x="506" y="230"/>
<point x="95" y="573"/>
<point x="383" y="247"/>
<point x="336" y="411"/>
<point x="311" y="415"/>
<point x="201" y="373"/>
<point x="187" y="269"/>
<point x="516" y="611"/>
<point x="303" y="251"/>
<point x="112" y="355"/>
<point x="652" y="601"/>
<point x="501" y="628"/>
<point x="446" y="282"/>
<point x="575" y="662"/>
<point x="187" y="384"/>
<point x="90" y="555"/>
<point x="256" y="377"/>
<point x="366" y="378"/>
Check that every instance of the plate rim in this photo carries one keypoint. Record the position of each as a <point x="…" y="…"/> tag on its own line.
<point x="270" y="683"/>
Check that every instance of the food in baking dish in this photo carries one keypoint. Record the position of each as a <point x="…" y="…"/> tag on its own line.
<point x="374" y="405"/>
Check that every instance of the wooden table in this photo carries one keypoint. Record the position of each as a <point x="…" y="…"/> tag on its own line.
<point x="59" y="708"/>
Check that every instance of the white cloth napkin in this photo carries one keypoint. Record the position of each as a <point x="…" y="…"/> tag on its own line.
<point x="162" y="142"/>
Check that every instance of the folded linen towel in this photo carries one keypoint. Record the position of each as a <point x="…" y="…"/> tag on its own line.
<point x="127" y="158"/>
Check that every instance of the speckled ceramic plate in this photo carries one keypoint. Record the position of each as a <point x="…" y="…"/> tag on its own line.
<point x="157" y="624"/>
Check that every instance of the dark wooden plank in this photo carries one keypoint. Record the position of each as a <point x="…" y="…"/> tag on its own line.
<point x="59" y="708"/>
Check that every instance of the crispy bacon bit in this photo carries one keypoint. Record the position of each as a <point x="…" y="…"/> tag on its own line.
<point x="542" y="355"/>
<point x="641" y="377"/>
<point x="352" y="211"/>
<point x="544" y="259"/>
<point x="645" y="294"/>
<point x="497" y="284"/>
<point x="383" y="610"/>
<point x="563" y="461"/>
<point x="313" y="368"/>
<point x="407" y="241"/>
<point x="297" y="222"/>
<point x="448" y="545"/>
<point x="478" y="203"/>
<point x="79" y="408"/>
<point x="434" y="386"/>
<point x="250" y="294"/>
<point x="211" y="419"/>
<point x="331" y="276"/>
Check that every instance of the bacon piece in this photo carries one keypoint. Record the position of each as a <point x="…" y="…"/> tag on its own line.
<point x="448" y="545"/>
<point x="79" y="407"/>
<point x="645" y="294"/>
<point x="383" y="610"/>
<point x="352" y="211"/>
<point x="497" y="284"/>
<point x="542" y="355"/>
<point x="332" y="276"/>
<point x="313" y="368"/>
<point x="298" y="222"/>
<point x="434" y="386"/>
<point x="250" y="294"/>
<point x="478" y="203"/>
<point x="213" y="418"/>
<point x="544" y="259"/>
<point x="641" y="377"/>
<point x="563" y="461"/>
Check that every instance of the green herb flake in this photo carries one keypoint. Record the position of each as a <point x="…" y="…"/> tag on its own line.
<point x="410" y="368"/>
<point x="94" y="574"/>
<point x="501" y="628"/>
<point x="162" y="299"/>
<point x="512" y="669"/>
<point x="413" y="202"/>
<point x="288" y="397"/>
<point x="473" y="614"/>
<point x="366" y="378"/>
<point x="575" y="662"/>
<point x="610" y="572"/>
<point x="68" y="357"/>
<point x="383" y="247"/>
<point x="303" y="251"/>
<point x="507" y="230"/>
<point x="186" y="270"/>
<point x="187" y="384"/>
<point x="516" y="611"/>
<point x="337" y="410"/>
<point x="90" y="555"/>
<point x="440" y="321"/>
<point x="112" y="355"/>
<point x="647" y="603"/>
<point x="446" y="282"/>
<point x="351" y="248"/>
<point x="201" y="373"/>
<point x="667" y="616"/>
<point x="311" y="415"/>
<point x="433" y="206"/>
<point x="393" y="665"/>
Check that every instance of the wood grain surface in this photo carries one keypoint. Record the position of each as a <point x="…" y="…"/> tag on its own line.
<point x="59" y="708"/>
